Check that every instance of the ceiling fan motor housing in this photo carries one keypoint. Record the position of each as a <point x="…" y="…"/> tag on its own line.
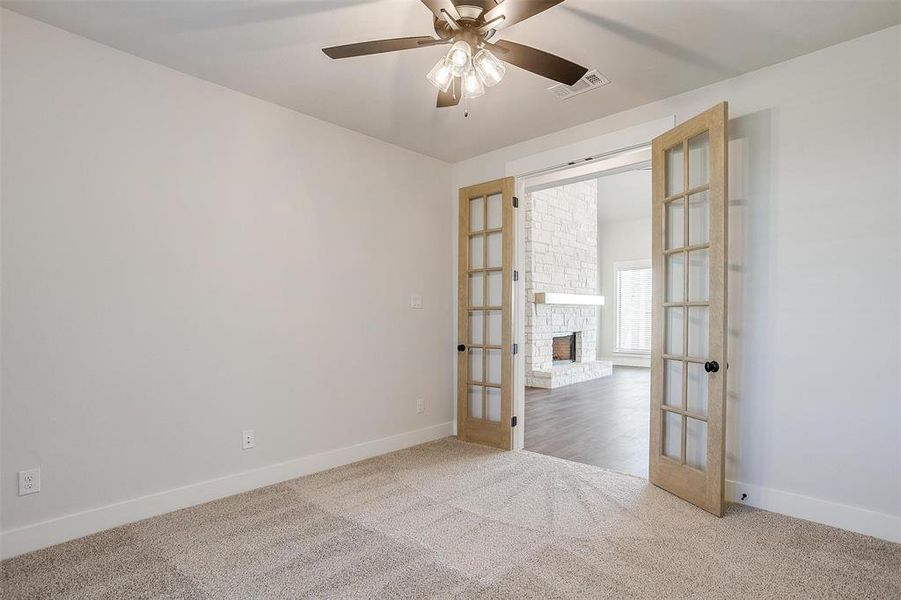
<point x="470" y="21"/>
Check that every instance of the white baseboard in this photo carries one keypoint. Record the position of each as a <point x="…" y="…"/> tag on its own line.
<point x="852" y="518"/>
<point x="76" y="525"/>
<point x="627" y="360"/>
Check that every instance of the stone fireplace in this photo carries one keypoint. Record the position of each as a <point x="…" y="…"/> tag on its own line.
<point x="562" y="257"/>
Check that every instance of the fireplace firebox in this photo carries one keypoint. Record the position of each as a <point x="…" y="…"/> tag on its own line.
<point x="564" y="349"/>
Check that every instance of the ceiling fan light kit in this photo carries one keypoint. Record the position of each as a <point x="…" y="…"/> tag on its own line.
<point x="483" y="70"/>
<point x="469" y="66"/>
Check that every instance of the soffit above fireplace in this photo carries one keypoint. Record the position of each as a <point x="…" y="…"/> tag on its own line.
<point x="568" y="299"/>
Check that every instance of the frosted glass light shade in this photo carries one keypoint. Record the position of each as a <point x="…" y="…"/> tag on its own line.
<point x="472" y="85"/>
<point x="441" y="75"/>
<point x="458" y="57"/>
<point x="489" y="68"/>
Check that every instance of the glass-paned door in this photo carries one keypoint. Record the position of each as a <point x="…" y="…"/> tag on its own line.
<point x="485" y="322"/>
<point x="688" y="350"/>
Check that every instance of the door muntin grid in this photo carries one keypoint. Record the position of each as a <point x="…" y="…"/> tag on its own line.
<point x="485" y="309"/>
<point x="686" y="306"/>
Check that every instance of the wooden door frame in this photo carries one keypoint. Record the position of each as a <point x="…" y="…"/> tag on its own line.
<point x="616" y="160"/>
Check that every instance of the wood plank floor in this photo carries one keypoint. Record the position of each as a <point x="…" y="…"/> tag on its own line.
<point x="603" y="422"/>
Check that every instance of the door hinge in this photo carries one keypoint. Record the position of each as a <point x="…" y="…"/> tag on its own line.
<point x="515" y="348"/>
<point x="515" y="275"/>
<point x="513" y="422"/>
<point x="515" y="202"/>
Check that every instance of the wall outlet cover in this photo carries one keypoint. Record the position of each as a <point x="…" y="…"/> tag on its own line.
<point x="416" y="301"/>
<point x="29" y="482"/>
<point x="420" y="406"/>
<point x="248" y="439"/>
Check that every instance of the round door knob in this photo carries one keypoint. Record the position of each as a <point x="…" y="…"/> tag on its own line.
<point x="712" y="366"/>
<point x="460" y="347"/>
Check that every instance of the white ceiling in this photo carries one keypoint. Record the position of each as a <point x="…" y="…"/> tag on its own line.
<point x="271" y="50"/>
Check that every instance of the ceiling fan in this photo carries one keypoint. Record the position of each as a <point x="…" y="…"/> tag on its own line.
<point x="473" y="63"/>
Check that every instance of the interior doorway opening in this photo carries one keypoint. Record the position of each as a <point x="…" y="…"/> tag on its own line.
<point x="587" y="246"/>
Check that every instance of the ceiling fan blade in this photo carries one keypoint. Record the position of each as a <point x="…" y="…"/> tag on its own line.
<point x="451" y="97"/>
<point x="538" y="61"/>
<point x="514" y="11"/>
<point x="380" y="46"/>
<point x="437" y="5"/>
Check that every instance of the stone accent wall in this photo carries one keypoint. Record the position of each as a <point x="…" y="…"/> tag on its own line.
<point x="561" y="256"/>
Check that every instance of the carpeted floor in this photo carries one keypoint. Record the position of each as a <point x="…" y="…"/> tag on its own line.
<point x="453" y="520"/>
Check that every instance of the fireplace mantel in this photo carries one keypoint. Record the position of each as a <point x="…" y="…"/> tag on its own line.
<point x="570" y="299"/>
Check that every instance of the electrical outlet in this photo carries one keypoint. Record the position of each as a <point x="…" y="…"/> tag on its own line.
<point x="420" y="406"/>
<point x="29" y="482"/>
<point x="248" y="439"/>
<point x="416" y="301"/>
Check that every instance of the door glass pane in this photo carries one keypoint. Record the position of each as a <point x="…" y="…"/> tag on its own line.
<point x="494" y="366"/>
<point x="495" y="249"/>
<point x="495" y="211"/>
<point x="675" y="165"/>
<point x="699" y="275"/>
<point x="477" y="252"/>
<point x="475" y="364"/>
<point x="698" y="331"/>
<point x="476" y="289"/>
<point x="475" y="401"/>
<point x="495" y="288"/>
<point x="696" y="444"/>
<point x="672" y="435"/>
<point x="494" y="404"/>
<point x="477" y="214"/>
<point x="675" y="224"/>
<point x="675" y="277"/>
<point x="674" y="330"/>
<point x="495" y="319"/>
<point x="475" y="327"/>
<point x="698" y="160"/>
<point x="699" y="218"/>
<point x="672" y="383"/>
<point x="697" y="389"/>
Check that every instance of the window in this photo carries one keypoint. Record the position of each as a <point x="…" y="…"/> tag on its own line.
<point x="633" y="306"/>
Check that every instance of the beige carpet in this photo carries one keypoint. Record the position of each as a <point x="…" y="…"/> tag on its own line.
<point x="453" y="520"/>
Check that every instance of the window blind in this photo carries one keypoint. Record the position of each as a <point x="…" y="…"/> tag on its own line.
<point x="633" y="309"/>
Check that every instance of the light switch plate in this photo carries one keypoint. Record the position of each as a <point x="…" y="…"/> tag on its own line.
<point x="416" y="301"/>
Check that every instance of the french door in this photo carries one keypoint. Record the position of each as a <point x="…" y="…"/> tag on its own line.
<point x="485" y="319"/>
<point x="688" y="355"/>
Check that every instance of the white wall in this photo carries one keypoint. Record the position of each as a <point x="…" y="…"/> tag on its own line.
<point x="181" y="262"/>
<point x="619" y="241"/>
<point x="624" y="234"/>
<point x="815" y="311"/>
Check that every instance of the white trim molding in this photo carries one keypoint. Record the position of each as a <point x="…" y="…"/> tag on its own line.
<point x="614" y="141"/>
<point x="852" y="518"/>
<point x="76" y="525"/>
<point x="628" y="359"/>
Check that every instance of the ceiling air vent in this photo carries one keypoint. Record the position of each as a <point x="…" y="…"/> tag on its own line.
<point x="589" y="81"/>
